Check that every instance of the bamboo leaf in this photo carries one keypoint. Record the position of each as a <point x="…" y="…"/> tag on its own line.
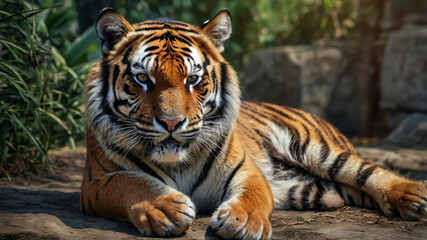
<point x="59" y="121"/>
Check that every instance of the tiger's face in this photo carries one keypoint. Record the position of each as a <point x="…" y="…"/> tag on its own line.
<point x="162" y="90"/>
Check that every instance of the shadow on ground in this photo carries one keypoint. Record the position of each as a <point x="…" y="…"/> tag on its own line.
<point x="46" y="206"/>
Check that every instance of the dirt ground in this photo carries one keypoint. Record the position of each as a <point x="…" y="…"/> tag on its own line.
<point x="47" y="207"/>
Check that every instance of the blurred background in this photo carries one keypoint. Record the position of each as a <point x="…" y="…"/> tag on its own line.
<point x="360" y="64"/>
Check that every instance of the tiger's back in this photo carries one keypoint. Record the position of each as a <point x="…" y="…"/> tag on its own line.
<point x="168" y="137"/>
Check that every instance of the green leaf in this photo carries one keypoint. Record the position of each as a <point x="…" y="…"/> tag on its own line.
<point x="78" y="50"/>
<point x="59" y="60"/>
<point x="59" y="121"/>
<point x="29" y="135"/>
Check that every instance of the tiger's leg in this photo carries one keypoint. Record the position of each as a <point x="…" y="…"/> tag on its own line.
<point x="389" y="190"/>
<point x="306" y="192"/>
<point x="247" y="207"/>
<point x="330" y="156"/>
<point x="153" y="207"/>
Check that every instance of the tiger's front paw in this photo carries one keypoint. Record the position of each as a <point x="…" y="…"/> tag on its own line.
<point x="408" y="197"/>
<point x="166" y="215"/>
<point x="232" y="221"/>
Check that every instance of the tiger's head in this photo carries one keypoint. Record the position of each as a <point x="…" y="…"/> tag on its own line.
<point x="162" y="89"/>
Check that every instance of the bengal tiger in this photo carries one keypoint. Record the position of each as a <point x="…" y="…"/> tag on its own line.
<point x="168" y="138"/>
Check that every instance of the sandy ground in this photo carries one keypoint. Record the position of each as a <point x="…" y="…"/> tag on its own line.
<point x="47" y="207"/>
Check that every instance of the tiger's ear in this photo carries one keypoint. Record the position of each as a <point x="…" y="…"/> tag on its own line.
<point x="218" y="29"/>
<point x="111" y="26"/>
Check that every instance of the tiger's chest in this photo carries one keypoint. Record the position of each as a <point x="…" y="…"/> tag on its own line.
<point x="202" y="186"/>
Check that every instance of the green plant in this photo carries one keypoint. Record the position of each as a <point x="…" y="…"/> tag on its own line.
<point x="40" y="93"/>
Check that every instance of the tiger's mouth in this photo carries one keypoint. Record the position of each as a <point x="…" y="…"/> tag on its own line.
<point x="169" y="151"/>
<point x="169" y="144"/>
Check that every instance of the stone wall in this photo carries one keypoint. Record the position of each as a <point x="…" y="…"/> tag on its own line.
<point x="367" y="88"/>
<point x="320" y="80"/>
<point x="404" y="75"/>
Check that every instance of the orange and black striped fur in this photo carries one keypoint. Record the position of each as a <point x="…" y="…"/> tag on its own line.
<point x="168" y="137"/>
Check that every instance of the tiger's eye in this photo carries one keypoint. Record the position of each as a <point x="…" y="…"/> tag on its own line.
<point x="141" y="78"/>
<point x="192" y="79"/>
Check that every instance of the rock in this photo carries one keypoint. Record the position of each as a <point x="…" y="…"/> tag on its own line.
<point x="403" y="14"/>
<point x="411" y="132"/>
<point x="404" y="75"/>
<point x="307" y="77"/>
<point x="401" y="159"/>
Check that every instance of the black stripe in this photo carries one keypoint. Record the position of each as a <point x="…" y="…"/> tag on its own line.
<point x="206" y="62"/>
<point x="105" y="81"/>
<point x="183" y="40"/>
<point x="296" y="112"/>
<point x="218" y="111"/>
<point x="154" y="38"/>
<point x="192" y="124"/>
<point x="224" y="79"/>
<point x="165" y="27"/>
<point x="230" y="177"/>
<point x="362" y="175"/>
<point x="116" y="73"/>
<point x="151" y="48"/>
<point x="203" y="94"/>
<point x="186" y="214"/>
<point x="250" y="109"/>
<point x="249" y="113"/>
<point x="214" y="80"/>
<point x="146" y="56"/>
<point x="118" y="102"/>
<point x="338" y="163"/>
<point x="125" y="59"/>
<point x="359" y="171"/>
<point x="344" y="141"/>
<point x="324" y="151"/>
<point x="146" y="123"/>
<point x="185" y="49"/>
<point x="277" y="110"/>
<point x="305" y="144"/>
<point x="350" y="200"/>
<point x="208" y="164"/>
<point x="277" y="159"/>
<point x="278" y="122"/>
<point x="248" y="132"/>
<point x="135" y="109"/>
<point x="162" y="21"/>
<point x="109" y="179"/>
<point x="187" y="39"/>
<point x="131" y="157"/>
<point x="318" y="196"/>
<point x="339" y="190"/>
<point x="305" y="194"/>
<point x="329" y="131"/>
<point x="104" y="92"/>
<point x="127" y="90"/>
<point x="130" y="44"/>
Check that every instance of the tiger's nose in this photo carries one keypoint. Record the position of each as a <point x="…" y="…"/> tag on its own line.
<point x="171" y="124"/>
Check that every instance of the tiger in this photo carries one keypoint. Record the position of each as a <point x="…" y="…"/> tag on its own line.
<point x="168" y="137"/>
